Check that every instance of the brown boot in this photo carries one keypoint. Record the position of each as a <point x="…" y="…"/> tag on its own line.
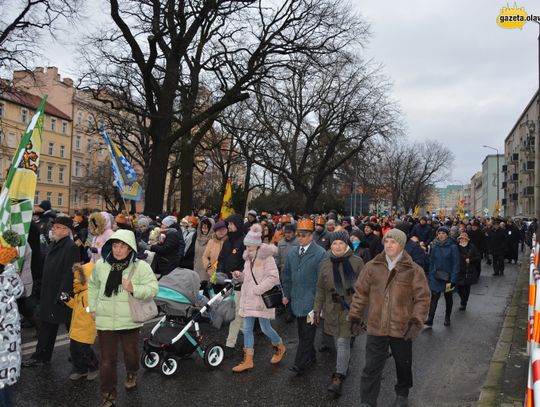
<point x="108" y="400"/>
<point x="247" y="363"/>
<point x="131" y="380"/>
<point x="279" y="352"/>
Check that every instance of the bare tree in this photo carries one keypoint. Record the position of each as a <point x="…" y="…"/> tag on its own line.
<point x="181" y="63"/>
<point x="22" y="23"/>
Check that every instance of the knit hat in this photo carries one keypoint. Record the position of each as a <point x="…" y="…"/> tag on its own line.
<point x="44" y="206"/>
<point x="403" y="226"/>
<point x="358" y="233"/>
<point x="339" y="235"/>
<point x="444" y="229"/>
<point x="397" y="235"/>
<point x="252" y="212"/>
<point x="253" y="237"/>
<point x="169" y="221"/>
<point x="143" y="221"/>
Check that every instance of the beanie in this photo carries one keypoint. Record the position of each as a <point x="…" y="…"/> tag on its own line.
<point x="253" y="237"/>
<point x="45" y="205"/>
<point x="359" y="234"/>
<point x="169" y="221"/>
<point x="443" y="229"/>
<point x="397" y="235"/>
<point x="339" y="235"/>
<point x="143" y="221"/>
<point x="403" y="226"/>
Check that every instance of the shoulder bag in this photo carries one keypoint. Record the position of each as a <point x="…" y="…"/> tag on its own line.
<point x="141" y="310"/>
<point x="271" y="298"/>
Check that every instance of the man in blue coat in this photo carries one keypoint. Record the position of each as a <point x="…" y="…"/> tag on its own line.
<point x="300" y="276"/>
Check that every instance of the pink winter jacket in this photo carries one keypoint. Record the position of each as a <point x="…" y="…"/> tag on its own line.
<point x="267" y="275"/>
<point x="100" y="240"/>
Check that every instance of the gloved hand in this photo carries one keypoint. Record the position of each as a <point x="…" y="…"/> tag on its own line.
<point x="143" y="245"/>
<point x="64" y="297"/>
<point x="413" y="329"/>
<point x="358" y="327"/>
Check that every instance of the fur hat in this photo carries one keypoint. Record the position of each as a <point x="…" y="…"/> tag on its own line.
<point x="63" y="220"/>
<point x="253" y="237"/>
<point x="398" y="236"/>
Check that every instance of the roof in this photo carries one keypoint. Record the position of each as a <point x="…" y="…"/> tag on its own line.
<point x="26" y="99"/>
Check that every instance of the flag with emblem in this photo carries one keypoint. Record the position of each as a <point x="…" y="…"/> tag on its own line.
<point x="124" y="174"/>
<point x="17" y="196"/>
<point x="226" y="206"/>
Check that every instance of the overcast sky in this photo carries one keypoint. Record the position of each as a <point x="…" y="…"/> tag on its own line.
<point x="458" y="77"/>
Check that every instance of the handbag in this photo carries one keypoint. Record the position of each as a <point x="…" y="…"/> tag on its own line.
<point x="274" y="296"/>
<point x="141" y="310"/>
<point x="442" y="275"/>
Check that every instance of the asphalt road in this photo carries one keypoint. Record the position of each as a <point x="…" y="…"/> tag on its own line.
<point x="450" y="366"/>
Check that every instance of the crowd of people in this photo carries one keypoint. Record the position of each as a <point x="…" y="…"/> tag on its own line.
<point x="341" y="275"/>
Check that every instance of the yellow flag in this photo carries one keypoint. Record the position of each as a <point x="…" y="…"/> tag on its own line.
<point x="416" y="211"/>
<point x="496" y="209"/>
<point x="226" y="206"/>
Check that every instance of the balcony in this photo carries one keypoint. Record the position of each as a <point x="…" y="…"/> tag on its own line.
<point x="504" y="185"/>
<point x="528" y="191"/>
<point x="513" y="178"/>
<point x="514" y="157"/>
<point x="504" y="168"/>
<point x="503" y="202"/>
<point x="514" y="197"/>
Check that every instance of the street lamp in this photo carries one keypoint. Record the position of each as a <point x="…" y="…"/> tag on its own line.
<point x="498" y="170"/>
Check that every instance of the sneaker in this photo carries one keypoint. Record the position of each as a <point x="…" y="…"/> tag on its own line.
<point x="92" y="375"/>
<point x="33" y="363"/>
<point x="77" y="376"/>
<point x="336" y="385"/>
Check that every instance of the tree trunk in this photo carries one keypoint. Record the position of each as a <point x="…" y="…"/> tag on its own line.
<point x="157" y="173"/>
<point x="247" y="179"/>
<point x="186" y="176"/>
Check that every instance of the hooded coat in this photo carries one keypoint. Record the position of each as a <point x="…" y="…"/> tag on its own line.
<point x="267" y="276"/>
<point x="231" y="255"/>
<point x="200" y="245"/>
<point x="100" y="225"/>
<point x="167" y="253"/>
<point x="211" y="253"/>
<point x="113" y="313"/>
<point x="444" y="256"/>
<point x="83" y="327"/>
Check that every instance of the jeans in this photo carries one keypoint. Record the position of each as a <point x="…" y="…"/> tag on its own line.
<point x="376" y="355"/>
<point x="108" y="350"/>
<point x="343" y="348"/>
<point x="236" y="324"/>
<point x="306" y="338"/>
<point x="266" y="328"/>
<point x="5" y="397"/>
<point x="83" y="357"/>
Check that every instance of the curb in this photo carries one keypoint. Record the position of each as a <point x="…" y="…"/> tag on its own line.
<point x="491" y="387"/>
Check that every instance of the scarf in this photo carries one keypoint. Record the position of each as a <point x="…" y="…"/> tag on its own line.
<point x="114" y="281"/>
<point x="350" y="276"/>
<point x="392" y="263"/>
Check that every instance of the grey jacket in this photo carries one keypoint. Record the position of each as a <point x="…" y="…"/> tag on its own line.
<point x="283" y="248"/>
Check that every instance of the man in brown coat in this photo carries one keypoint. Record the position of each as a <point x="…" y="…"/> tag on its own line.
<point x="395" y="291"/>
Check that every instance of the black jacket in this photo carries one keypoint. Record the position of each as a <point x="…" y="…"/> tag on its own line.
<point x="468" y="272"/>
<point x="167" y="254"/>
<point x="57" y="278"/>
<point x="322" y="239"/>
<point x="498" y="240"/>
<point x="417" y="254"/>
<point x="375" y="245"/>
<point x="231" y="255"/>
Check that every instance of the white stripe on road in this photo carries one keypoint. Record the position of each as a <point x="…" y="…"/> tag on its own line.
<point x="61" y="340"/>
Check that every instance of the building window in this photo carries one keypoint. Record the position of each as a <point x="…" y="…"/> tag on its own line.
<point x="38" y="173"/>
<point x="86" y="199"/>
<point x="60" y="199"/>
<point x="61" y="175"/>
<point x="89" y="144"/>
<point x="2" y="138"/>
<point x="98" y="199"/>
<point x="78" y="143"/>
<point x="49" y="172"/>
<point x="51" y="149"/>
<point x="12" y="140"/>
<point x="49" y="196"/>
<point x="36" y="198"/>
<point x="62" y="151"/>
<point x="53" y="124"/>
<point x="24" y="115"/>
<point x="78" y="169"/>
<point x="64" y="127"/>
<point x="88" y="169"/>
<point x="76" y="197"/>
<point x="79" y="118"/>
<point x="90" y="122"/>
<point x="2" y="109"/>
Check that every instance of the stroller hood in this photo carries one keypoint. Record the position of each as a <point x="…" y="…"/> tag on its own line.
<point x="183" y="281"/>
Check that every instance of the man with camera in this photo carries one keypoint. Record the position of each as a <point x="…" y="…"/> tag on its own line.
<point x="57" y="278"/>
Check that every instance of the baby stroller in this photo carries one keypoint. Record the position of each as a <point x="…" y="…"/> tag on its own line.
<point x="177" y="334"/>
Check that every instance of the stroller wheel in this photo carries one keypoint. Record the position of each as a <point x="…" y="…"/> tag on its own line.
<point x="150" y="360"/>
<point x="214" y="355"/>
<point x="168" y="366"/>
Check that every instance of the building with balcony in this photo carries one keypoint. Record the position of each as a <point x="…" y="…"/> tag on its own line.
<point x="491" y="176"/>
<point x="519" y="150"/>
<point x="476" y="195"/>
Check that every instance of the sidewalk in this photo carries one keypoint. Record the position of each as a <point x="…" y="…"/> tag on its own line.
<point x="506" y="382"/>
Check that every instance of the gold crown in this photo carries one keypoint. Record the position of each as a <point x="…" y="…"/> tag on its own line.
<point x="305" y="224"/>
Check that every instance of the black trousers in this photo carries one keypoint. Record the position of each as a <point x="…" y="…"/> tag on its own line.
<point x="464" y="291"/>
<point x="498" y="264"/>
<point x="306" y="347"/>
<point x="46" y="341"/>
<point x="83" y="358"/>
<point x="448" y="298"/>
<point x="376" y="355"/>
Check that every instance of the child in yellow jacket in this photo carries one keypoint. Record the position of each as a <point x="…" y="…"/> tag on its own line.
<point x="82" y="331"/>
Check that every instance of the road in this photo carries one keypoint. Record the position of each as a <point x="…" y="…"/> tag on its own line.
<point x="450" y="366"/>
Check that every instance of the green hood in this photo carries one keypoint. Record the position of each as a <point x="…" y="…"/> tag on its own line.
<point x="126" y="236"/>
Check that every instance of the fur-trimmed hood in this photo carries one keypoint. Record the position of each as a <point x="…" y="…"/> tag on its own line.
<point x="266" y="250"/>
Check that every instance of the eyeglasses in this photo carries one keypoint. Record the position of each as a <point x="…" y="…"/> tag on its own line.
<point x="302" y="234"/>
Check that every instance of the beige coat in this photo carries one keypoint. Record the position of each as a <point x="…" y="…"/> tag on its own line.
<point x="211" y="253"/>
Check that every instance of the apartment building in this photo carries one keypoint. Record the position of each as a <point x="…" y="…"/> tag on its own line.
<point x="519" y="171"/>
<point x="16" y="109"/>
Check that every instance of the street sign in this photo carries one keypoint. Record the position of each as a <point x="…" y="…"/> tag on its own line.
<point x="486" y="211"/>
